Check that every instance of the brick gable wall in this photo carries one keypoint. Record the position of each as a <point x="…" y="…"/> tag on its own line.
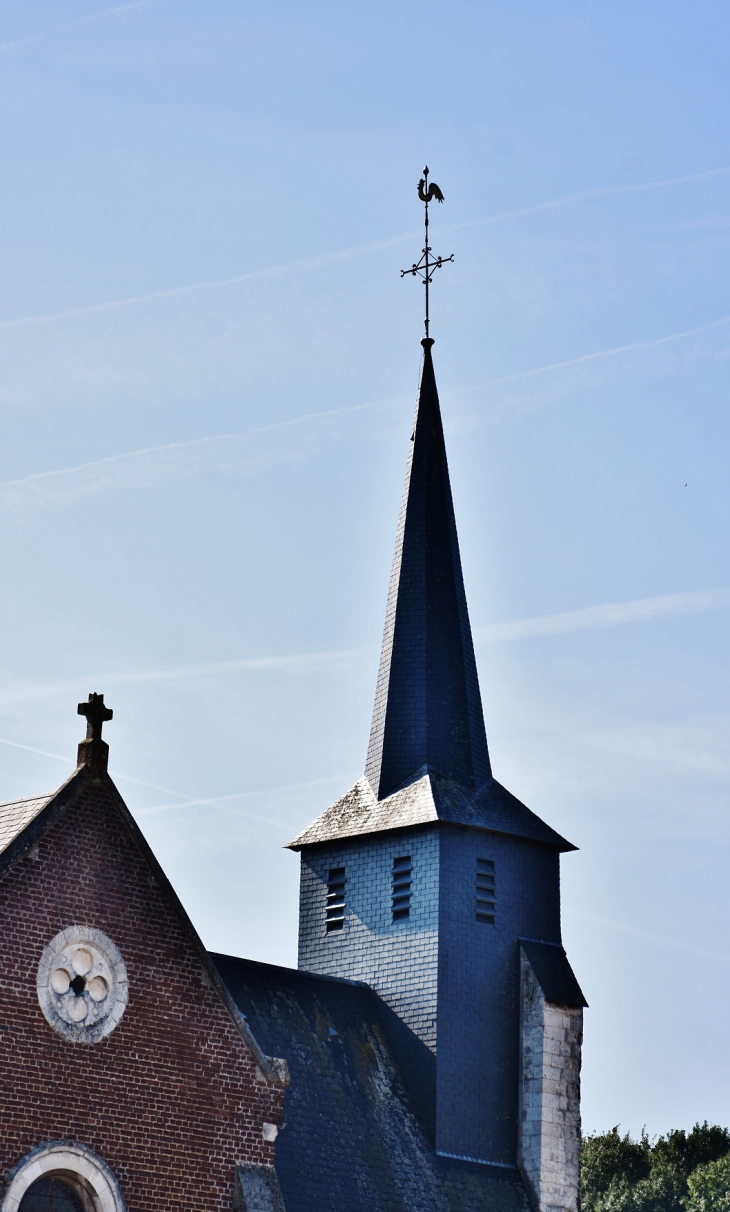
<point x="171" y="1099"/>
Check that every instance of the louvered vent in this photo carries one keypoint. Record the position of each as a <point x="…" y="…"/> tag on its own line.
<point x="402" y="869"/>
<point x="486" y="891"/>
<point x="336" y="899"/>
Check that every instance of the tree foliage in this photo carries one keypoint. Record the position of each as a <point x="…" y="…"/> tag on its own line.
<point x="709" y="1187"/>
<point x="686" y="1151"/>
<point x="679" y="1172"/>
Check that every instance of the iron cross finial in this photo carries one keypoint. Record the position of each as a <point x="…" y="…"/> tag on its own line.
<point x="427" y="264"/>
<point x="96" y="715"/>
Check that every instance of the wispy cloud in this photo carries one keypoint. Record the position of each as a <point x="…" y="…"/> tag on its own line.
<point x="57" y="757"/>
<point x="173" y="292"/>
<point x="12" y="696"/>
<point x="225" y="803"/>
<point x="650" y="937"/>
<point x="267" y="446"/>
<point x="613" y="352"/>
<point x="601" y="191"/>
<point x="612" y="614"/>
<point x="694" y="747"/>
<point x="183" y="673"/>
<point x="235" y="453"/>
<point x="343" y="254"/>
<point x="68" y="761"/>
<point x="59" y="29"/>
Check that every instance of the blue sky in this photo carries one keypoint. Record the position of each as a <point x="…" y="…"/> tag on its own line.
<point x="209" y="367"/>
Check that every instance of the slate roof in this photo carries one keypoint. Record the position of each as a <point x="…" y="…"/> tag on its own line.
<point x="428" y="709"/>
<point x="351" y="1136"/>
<point x="428" y="760"/>
<point x="426" y="799"/>
<point x="554" y="973"/>
<point x="16" y="814"/>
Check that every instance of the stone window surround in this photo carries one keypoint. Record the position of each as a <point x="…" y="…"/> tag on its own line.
<point x="116" y="975"/>
<point x="65" y="1159"/>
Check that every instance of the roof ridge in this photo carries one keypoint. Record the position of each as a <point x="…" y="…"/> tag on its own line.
<point x="27" y="799"/>
<point x="433" y="799"/>
<point x="303" y="972"/>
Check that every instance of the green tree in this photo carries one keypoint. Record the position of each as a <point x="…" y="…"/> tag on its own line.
<point x="686" y="1151"/>
<point x="608" y="1158"/>
<point x="662" y="1191"/>
<point x="679" y="1172"/>
<point x="709" y="1187"/>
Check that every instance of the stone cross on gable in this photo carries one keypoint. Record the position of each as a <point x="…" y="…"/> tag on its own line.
<point x="94" y="752"/>
<point x="96" y="715"/>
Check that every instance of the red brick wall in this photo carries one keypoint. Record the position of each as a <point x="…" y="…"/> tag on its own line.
<point x="170" y="1099"/>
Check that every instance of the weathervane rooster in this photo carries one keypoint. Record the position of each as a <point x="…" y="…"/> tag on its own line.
<point x="433" y="190"/>
<point x="427" y="264"/>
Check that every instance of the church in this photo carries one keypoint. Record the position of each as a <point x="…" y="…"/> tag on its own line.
<point x="425" y="1054"/>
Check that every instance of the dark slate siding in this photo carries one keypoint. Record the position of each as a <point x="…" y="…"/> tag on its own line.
<point x="398" y="959"/>
<point x="351" y="1136"/>
<point x="452" y="980"/>
<point x="478" y="1002"/>
<point x="427" y="705"/>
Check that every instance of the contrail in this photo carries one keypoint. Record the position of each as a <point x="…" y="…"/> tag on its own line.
<point x="251" y="451"/>
<point x="219" y="801"/>
<point x="271" y="271"/>
<point x="58" y="757"/>
<point x="344" y="254"/>
<point x="243" y="665"/>
<point x="241" y="453"/>
<point x="612" y="614"/>
<point x="609" y="353"/>
<point x="584" y="195"/>
<point x="222" y="801"/>
<point x="70" y="686"/>
<point x="654" y="938"/>
<point x="59" y="29"/>
<point x="30" y="749"/>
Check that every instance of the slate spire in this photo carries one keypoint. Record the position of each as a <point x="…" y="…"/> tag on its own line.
<point x="428" y="709"/>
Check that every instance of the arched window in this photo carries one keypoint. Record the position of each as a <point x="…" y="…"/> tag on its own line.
<point x="61" y="1176"/>
<point x="54" y="1194"/>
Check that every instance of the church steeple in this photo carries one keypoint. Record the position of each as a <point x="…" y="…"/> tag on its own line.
<point x="428" y="709"/>
<point x="428" y="759"/>
<point x="429" y="881"/>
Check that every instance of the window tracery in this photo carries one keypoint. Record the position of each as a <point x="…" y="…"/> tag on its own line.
<point x="82" y="984"/>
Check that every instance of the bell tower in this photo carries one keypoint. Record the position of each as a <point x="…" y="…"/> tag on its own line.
<point x="433" y="884"/>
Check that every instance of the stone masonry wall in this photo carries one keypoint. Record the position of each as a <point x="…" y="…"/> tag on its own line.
<point x="549" y="1149"/>
<point x="171" y="1098"/>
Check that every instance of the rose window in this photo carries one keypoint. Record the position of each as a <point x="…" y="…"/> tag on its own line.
<point x="82" y="984"/>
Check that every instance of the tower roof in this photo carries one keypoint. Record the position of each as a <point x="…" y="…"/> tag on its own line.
<point x="428" y="709"/>
<point x="428" y="761"/>
<point x="427" y="799"/>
